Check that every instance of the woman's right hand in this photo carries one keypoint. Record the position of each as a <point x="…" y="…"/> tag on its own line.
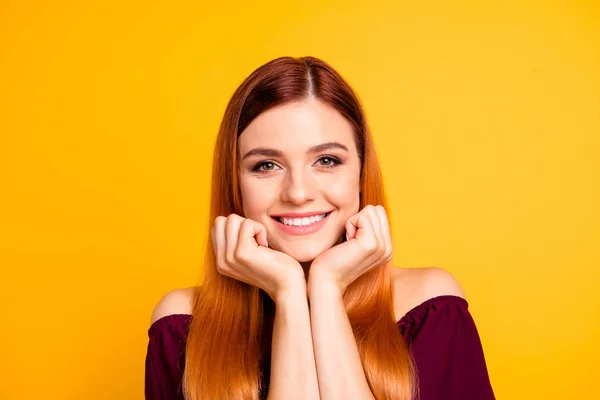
<point x="242" y="253"/>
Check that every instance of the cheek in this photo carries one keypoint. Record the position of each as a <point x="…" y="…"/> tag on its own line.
<point x="255" y="199"/>
<point x="344" y="192"/>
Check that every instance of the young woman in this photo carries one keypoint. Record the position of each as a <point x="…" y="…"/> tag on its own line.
<point x="300" y="300"/>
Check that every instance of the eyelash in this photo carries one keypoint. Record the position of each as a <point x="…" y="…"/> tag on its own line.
<point x="335" y="160"/>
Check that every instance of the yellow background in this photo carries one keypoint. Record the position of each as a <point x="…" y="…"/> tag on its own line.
<point x="486" y="119"/>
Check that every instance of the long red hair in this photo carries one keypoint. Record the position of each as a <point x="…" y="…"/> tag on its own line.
<point x="229" y="340"/>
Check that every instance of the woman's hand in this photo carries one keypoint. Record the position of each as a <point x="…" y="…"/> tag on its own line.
<point x="369" y="245"/>
<point x="242" y="253"/>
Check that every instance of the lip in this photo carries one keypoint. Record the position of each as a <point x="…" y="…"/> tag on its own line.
<point x="300" y="215"/>
<point x="302" y="230"/>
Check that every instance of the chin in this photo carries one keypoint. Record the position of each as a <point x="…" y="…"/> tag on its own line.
<point x="302" y="258"/>
<point x="304" y="253"/>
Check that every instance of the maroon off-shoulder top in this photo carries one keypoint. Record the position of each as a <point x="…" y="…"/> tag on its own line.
<point x="440" y="333"/>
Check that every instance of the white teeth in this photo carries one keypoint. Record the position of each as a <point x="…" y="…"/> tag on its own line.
<point x="302" y="221"/>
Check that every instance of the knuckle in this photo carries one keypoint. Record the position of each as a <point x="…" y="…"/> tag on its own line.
<point x="230" y="258"/>
<point x="235" y="217"/>
<point x="388" y="255"/>
<point x="246" y="222"/>
<point x="370" y="245"/>
<point x="221" y="267"/>
<point x="240" y="255"/>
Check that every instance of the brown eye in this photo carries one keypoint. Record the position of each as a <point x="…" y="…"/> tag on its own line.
<point x="328" y="161"/>
<point x="268" y="166"/>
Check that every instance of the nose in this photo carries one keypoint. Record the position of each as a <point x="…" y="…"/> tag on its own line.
<point x="298" y="187"/>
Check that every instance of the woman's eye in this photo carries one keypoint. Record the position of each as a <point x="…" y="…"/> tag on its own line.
<point x="324" y="161"/>
<point x="327" y="161"/>
<point x="268" y="166"/>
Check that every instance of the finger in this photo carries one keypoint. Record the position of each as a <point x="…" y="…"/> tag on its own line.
<point x="378" y="232"/>
<point x="359" y="222"/>
<point x="373" y="238"/>
<point x="213" y="240"/>
<point x="232" y="230"/>
<point x="251" y="229"/>
<point x="385" y="225"/>
<point x="352" y="226"/>
<point x="365" y="232"/>
<point x="219" y="242"/>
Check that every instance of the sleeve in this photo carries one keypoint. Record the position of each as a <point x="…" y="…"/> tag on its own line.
<point x="448" y="353"/>
<point x="165" y="358"/>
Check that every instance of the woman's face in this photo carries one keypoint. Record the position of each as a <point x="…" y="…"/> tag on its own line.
<point x="300" y="158"/>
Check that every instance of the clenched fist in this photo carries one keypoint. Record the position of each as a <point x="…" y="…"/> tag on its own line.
<point x="369" y="245"/>
<point x="242" y="253"/>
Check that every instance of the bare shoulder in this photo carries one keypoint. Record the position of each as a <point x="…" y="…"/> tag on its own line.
<point x="176" y="301"/>
<point x="413" y="286"/>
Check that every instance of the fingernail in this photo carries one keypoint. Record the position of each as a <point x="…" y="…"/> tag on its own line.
<point x="266" y="243"/>
<point x="347" y="237"/>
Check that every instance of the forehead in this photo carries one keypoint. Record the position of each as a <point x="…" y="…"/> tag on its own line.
<point x="297" y="125"/>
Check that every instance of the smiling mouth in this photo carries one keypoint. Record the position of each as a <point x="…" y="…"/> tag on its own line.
<point x="300" y="222"/>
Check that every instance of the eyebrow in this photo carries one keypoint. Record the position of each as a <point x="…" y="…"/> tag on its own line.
<point x="268" y="152"/>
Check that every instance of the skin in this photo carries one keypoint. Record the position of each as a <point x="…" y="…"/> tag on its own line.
<point x="298" y="181"/>
<point x="306" y="276"/>
<point x="316" y="268"/>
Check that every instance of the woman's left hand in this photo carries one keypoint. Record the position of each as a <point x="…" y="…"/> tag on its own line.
<point x="369" y="245"/>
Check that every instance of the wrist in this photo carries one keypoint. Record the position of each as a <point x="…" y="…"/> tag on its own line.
<point x="294" y="286"/>
<point x="322" y="282"/>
